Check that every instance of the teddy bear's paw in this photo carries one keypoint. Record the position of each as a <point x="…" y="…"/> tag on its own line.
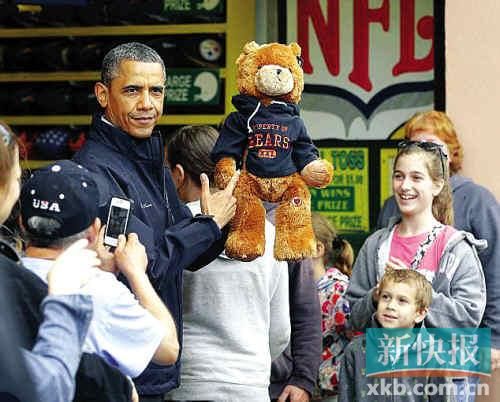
<point x="296" y="246"/>
<point x="244" y="249"/>
<point x="283" y="255"/>
<point x="318" y="173"/>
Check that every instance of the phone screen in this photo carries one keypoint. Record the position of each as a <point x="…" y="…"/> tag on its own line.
<point x="117" y="221"/>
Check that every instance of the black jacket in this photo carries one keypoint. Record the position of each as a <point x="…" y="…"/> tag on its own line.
<point x="15" y="379"/>
<point x="135" y="169"/>
<point x="275" y="136"/>
<point x="298" y="364"/>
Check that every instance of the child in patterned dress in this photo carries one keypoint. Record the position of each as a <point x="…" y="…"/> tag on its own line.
<point x="332" y="264"/>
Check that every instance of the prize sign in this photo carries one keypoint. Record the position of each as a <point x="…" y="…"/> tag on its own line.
<point x="193" y="86"/>
<point x="345" y="201"/>
<point x="193" y="6"/>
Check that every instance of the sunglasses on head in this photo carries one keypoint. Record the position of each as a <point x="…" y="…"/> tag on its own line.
<point x="426" y="146"/>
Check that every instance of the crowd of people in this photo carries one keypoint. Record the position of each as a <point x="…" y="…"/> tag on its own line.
<point x="166" y="315"/>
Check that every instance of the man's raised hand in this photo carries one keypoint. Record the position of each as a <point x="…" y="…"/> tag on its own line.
<point x="221" y="204"/>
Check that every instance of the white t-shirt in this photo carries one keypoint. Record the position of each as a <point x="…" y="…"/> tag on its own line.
<point x="236" y="321"/>
<point x="122" y="332"/>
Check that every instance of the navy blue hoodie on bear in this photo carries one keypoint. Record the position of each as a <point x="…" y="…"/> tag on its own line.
<point x="275" y="136"/>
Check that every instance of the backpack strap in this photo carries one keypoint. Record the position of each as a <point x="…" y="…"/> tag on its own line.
<point x="424" y="246"/>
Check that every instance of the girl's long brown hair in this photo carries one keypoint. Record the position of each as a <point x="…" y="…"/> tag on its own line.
<point x="442" y="204"/>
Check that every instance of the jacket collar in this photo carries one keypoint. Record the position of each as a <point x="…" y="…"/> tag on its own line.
<point x="115" y="138"/>
<point x="459" y="235"/>
<point x="8" y="251"/>
<point x="247" y="104"/>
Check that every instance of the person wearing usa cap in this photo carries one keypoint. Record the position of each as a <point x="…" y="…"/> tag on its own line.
<point x="60" y="204"/>
<point x="124" y="148"/>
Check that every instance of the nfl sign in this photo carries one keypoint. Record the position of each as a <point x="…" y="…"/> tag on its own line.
<point x="368" y="64"/>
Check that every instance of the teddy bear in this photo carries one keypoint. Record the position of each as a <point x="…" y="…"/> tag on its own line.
<point x="267" y="140"/>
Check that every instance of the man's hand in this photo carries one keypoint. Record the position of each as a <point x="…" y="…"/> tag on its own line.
<point x="130" y="256"/>
<point x="495" y="359"/>
<point x="293" y="393"/>
<point x="73" y="269"/>
<point x="221" y="204"/>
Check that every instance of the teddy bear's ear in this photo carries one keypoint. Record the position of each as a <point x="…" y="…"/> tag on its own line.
<point x="247" y="49"/>
<point x="250" y="47"/>
<point x="295" y="48"/>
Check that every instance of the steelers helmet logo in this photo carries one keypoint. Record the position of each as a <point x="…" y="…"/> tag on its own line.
<point x="210" y="50"/>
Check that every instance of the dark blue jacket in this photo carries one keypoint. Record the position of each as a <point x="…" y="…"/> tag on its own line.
<point x="275" y="135"/>
<point x="299" y="363"/>
<point x="134" y="168"/>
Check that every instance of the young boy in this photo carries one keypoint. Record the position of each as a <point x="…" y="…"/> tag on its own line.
<point x="403" y="299"/>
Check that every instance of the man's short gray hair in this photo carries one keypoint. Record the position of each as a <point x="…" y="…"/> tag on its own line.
<point x="41" y="224"/>
<point x="134" y="51"/>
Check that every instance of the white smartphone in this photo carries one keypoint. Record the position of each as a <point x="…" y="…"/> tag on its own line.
<point x="119" y="211"/>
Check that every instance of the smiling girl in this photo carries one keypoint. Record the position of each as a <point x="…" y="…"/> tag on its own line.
<point x="422" y="239"/>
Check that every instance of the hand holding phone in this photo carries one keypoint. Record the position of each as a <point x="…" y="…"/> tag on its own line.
<point x="119" y="211"/>
<point x="130" y="257"/>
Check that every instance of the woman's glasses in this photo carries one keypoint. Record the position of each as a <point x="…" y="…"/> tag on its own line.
<point x="426" y="146"/>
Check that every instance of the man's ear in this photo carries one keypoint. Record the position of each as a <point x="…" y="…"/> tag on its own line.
<point x="178" y="175"/>
<point x="93" y="231"/>
<point x="101" y="94"/>
<point x="421" y="315"/>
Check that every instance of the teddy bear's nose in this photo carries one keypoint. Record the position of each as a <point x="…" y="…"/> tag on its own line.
<point x="278" y="71"/>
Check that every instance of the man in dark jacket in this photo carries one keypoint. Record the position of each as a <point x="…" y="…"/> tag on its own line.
<point x="128" y="153"/>
<point x="294" y="373"/>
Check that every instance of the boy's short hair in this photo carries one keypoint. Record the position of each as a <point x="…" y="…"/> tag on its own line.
<point x="413" y="278"/>
<point x="190" y="146"/>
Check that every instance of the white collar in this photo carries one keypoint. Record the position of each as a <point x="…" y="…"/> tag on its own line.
<point x="103" y="118"/>
<point x="38" y="266"/>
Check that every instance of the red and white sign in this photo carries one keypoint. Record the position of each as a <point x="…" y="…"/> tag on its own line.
<point x="368" y="64"/>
